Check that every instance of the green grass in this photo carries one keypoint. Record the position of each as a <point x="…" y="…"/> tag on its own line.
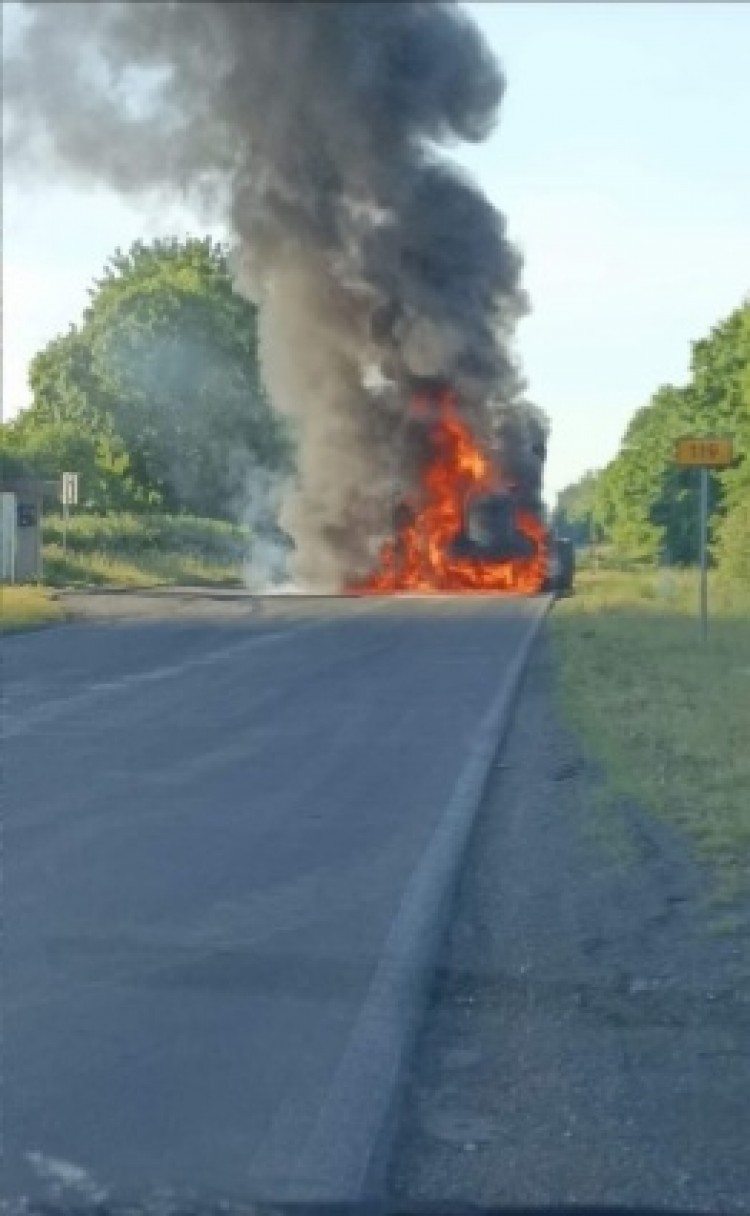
<point x="665" y="716"/>
<point x="27" y="608"/>
<point x="140" y="551"/>
<point x="98" y="569"/>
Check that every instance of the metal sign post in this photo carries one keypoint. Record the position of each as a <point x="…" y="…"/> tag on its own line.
<point x="704" y="552"/>
<point x="703" y="453"/>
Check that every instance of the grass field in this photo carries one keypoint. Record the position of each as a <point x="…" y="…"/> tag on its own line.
<point x="26" y="608"/>
<point x="666" y="716"/>
<point x="131" y="550"/>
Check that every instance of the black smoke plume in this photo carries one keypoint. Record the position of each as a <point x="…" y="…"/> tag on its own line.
<point x="319" y="131"/>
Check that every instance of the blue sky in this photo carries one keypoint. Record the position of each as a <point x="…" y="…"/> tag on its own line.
<point x="622" y="163"/>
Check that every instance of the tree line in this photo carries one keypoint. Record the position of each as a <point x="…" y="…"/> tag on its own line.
<point x="156" y="396"/>
<point x="156" y="399"/>
<point x="644" y="505"/>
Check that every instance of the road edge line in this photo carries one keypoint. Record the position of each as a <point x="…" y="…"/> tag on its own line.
<point x="362" y="1102"/>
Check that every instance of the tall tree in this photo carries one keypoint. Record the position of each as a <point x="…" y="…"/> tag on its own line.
<point x="164" y="369"/>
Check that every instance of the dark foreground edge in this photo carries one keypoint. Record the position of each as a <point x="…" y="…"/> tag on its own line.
<point x="159" y="1206"/>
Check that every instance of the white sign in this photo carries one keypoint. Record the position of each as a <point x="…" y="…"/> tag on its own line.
<point x="70" y="489"/>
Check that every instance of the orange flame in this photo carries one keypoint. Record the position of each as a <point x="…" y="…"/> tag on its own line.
<point x="419" y="558"/>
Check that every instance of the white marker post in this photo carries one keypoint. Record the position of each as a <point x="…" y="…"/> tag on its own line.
<point x="69" y="495"/>
<point x="703" y="453"/>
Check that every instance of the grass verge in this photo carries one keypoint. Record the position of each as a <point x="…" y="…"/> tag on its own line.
<point x="123" y="550"/>
<point x="27" y="608"/>
<point x="666" y="716"/>
<point x="154" y="569"/>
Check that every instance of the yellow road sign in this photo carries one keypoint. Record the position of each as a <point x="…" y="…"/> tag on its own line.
<point x="714" y="453"/>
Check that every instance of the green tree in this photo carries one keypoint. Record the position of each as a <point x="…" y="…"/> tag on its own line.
<point x="44" y="450"/>
<point x="576" y="510"/>
<point x="648" y="504"/>
<point x="163" y="371"/>
<point x="732" y="548"/>
<point x="63" y="385"/>
<point x="721" y="372"/>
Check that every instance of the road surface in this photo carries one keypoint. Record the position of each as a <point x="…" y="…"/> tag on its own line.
<point x="209" y="828"/>
<point x="587" y="1042"/>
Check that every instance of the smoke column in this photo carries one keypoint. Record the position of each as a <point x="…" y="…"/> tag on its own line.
<point x="318" y="131"/>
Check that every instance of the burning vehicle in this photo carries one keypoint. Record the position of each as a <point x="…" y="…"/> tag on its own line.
<point x="492" y="534"/>
<point x="466" y="527"/>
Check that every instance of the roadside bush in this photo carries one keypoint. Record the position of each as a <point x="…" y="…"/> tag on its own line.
<point x="732" y="548"/>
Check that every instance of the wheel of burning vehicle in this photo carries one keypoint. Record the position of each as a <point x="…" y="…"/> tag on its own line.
<point x="566" y="562"/>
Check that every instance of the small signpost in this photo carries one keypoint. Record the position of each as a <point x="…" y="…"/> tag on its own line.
<point x="69" y="496"/>
<point x="703" y="452"/>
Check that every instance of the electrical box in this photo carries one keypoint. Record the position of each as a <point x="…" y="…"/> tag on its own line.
<point x="22" y="502"/>
<point x="8" y="523"/>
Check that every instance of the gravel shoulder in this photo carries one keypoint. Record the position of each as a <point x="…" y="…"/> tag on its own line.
<point x="588" y="1038"/>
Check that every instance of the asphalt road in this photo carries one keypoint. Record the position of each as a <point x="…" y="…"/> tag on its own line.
<point x="208" y="830"/>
